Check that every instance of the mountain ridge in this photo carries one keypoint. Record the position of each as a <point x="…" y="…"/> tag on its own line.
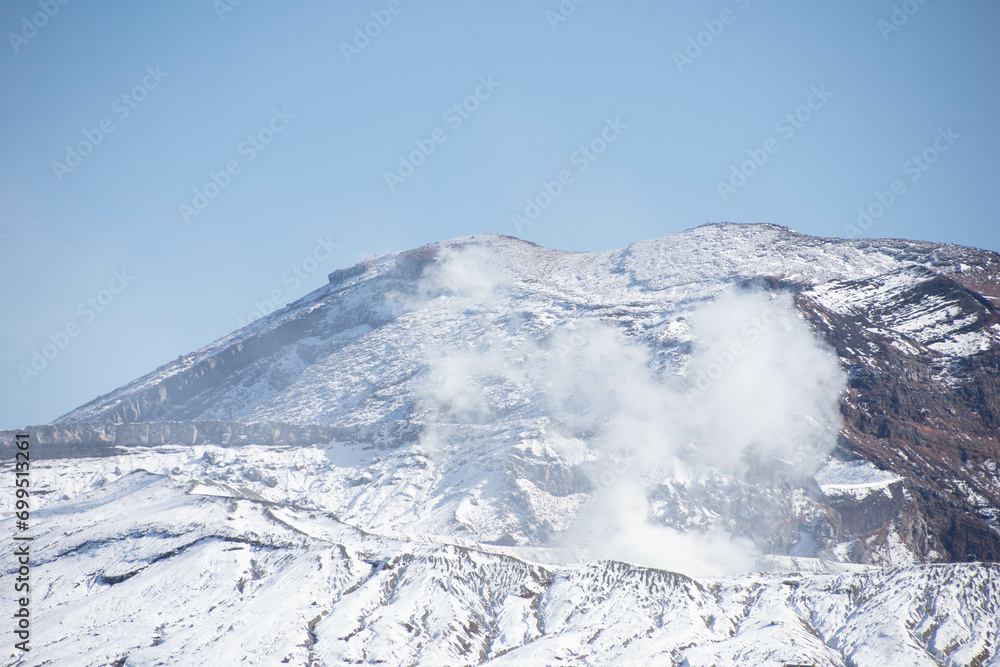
<point x="483" y="451"/>
<point x="992" y="262"/>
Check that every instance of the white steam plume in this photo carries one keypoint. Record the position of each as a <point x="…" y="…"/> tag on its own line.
<point x="758" y="385"/>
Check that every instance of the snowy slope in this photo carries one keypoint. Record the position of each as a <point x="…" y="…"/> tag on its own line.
<point x="194" y="578"/>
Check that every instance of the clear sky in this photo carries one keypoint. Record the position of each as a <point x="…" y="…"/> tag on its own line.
<point x="218" y="154"/>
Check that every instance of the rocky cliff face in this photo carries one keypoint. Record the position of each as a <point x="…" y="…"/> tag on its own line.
<point x="915" y="407"/>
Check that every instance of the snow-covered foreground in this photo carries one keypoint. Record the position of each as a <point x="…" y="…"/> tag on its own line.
<point x="148" y="571"/>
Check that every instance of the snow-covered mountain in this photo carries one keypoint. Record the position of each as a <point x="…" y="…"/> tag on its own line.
<point x="485" y="451"/>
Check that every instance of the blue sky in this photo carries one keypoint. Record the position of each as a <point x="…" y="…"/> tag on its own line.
<point x="219" y="155"/>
